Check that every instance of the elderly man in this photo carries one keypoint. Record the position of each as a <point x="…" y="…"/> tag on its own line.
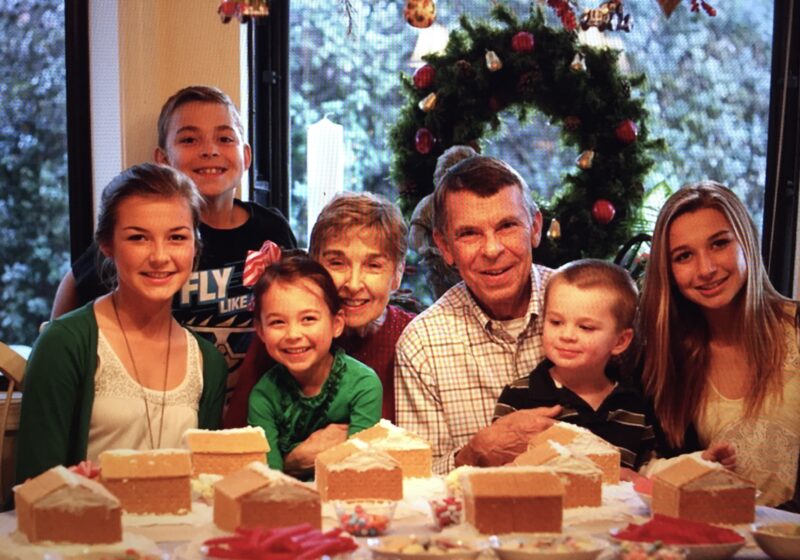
<point x="454" y="359"/>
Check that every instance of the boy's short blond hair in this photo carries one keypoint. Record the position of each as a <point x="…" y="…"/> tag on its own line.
<point x="350" y="210"/>
<point x="203" y="94"/>
<point x="596" y="273"/>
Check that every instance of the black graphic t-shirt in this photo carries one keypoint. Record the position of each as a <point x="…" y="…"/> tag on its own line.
<point x="213" y="302"/>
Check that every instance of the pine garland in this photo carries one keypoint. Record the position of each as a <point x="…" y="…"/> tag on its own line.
<point x="588" y="104"/>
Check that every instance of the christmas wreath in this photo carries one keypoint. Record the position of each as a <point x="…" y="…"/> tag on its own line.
<point x="458" y="97"/>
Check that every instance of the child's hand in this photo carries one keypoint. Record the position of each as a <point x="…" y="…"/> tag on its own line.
<point x="722" y="453"/>
<point x="301" y="458"/>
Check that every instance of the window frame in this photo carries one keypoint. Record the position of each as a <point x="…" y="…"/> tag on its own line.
<point x="79" y="130"/>
<point x="269" y="95"/>
<point x="781" y="200"/>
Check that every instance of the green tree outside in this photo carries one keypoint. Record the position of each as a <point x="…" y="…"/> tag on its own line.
<point x="34" y="225"/>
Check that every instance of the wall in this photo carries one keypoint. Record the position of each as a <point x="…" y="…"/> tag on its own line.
<point x="142" y="52"/>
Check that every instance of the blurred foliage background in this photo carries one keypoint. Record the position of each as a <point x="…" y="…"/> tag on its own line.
<point x="34" y="228"/>
<point x="707" y="94"/>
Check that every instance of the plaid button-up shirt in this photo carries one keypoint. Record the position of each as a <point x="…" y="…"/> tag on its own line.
<point x="453" y="361"/>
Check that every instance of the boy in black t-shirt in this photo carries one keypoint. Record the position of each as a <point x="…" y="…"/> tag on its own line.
<point x="200" y="133"/>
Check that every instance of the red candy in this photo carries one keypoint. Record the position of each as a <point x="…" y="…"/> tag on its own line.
<point x="298" y="542"/>
<point x="670" y="530"/>
<point x="446" y="511"/>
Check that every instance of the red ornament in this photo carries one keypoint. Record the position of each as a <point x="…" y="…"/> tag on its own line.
<point x="626" y="132"/>
<point x="227" y="10"/>
<point x="603" y="211"/>
<point x="565" y="14"/>
<point x="424" y="141"/>
<point x="522" y="42"/>
<point x="424" y="76"/>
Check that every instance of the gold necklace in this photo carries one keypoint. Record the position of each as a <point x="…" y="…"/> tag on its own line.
<point x="136" y="373"/>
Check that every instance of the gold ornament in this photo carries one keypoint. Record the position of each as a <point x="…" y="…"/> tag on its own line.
<point x="578" y="63"/>
<point x="420" y="13"/>
<point x="554" y="231"/>
<point x="493" y="62"/>
<point x="584" y="160"/>
<point x="428" y="102"/>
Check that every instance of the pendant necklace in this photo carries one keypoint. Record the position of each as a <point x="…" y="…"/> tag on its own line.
<point x="138" y="380"/>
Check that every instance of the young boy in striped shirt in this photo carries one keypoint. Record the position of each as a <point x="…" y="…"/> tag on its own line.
<point x="589" y="311"/>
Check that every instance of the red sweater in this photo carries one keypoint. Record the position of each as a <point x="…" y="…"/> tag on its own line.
<point x="375" y="350"/>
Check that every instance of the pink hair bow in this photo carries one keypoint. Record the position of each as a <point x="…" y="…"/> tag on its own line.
<point x="257" y="261"/>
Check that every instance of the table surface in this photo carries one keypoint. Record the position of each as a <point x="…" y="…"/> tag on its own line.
<point x="180" y="538"/>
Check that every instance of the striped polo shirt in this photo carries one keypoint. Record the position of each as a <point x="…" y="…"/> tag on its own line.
<point x="622" y="419"/>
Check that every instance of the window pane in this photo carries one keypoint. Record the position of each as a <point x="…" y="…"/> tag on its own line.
<point x="707" y="93"/>
<point x="34" y="224"/>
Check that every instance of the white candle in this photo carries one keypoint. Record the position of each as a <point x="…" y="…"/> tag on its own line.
<point x="324" y="165"/>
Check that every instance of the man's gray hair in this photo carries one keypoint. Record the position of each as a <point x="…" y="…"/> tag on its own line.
<point x="482" y="175"/>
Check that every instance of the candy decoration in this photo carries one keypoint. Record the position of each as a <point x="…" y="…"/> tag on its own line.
<point x="424" y="76"/>
<point x="86" y="468"/>
<point x="360" y="523"/>
<point x="493" y="62"/>
<point x="420" y="13"/>
<point x="522" y="42"/>
<point x="603" y="211"/>
<point x="300" y="542"/>
<point x="446" y="511"/>
<point x="578" y="63"/>
<point x="554" y="231"/>
<point x="423" y="141"/>
<point x="626" y="131"/>
<point x="428" y="102"/>
<point x="584" y="160"/>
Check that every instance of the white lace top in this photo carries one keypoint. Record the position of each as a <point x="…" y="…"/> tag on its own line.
<point x="119" y="419"/>
<point x="766" y="445"/>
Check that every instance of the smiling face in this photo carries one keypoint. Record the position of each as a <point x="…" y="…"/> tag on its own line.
<point x="203" y="142"/>
<point x="364" y="274"/>
<point x="580" y="330"/>
<point x="707" y="262"/>
<point x="152" y="246"/>
<point x="489" y="241"/>
<point x="297" y="327"/>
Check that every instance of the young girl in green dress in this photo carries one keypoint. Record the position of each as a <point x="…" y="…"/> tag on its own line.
<point x="316" y="396"/>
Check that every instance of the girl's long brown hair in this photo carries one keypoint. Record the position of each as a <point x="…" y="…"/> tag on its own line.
<point x="675" y="331"/>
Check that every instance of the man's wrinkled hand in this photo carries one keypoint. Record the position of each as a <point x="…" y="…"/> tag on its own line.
<point x="501" y="442"/>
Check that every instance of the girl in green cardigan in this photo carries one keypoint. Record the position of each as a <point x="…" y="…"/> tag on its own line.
<point x="313" y="398"/>
<point x="120" y="372"/>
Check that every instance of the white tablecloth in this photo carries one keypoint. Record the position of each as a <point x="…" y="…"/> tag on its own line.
<point x="181" y="538"/>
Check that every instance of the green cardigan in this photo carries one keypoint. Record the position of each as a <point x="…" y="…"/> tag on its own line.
<point x="58" y="393"/>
